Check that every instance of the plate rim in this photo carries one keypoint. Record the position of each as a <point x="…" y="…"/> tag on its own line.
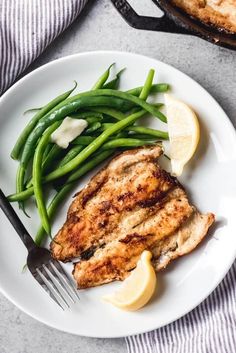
<point x="226" y="120"/>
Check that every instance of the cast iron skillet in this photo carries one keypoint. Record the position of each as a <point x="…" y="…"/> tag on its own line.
<point x="175" y="21"/>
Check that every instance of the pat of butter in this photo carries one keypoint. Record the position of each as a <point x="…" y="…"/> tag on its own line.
<point x="68" y="131"/>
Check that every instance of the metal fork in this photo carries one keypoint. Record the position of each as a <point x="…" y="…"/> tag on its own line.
<point x="46" y="270"/>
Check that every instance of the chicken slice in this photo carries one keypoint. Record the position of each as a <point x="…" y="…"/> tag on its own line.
<point x="126" y="188"/>
<point x="118" y="257"/>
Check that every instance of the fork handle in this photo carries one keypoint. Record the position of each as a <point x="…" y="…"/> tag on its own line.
<point x="16" y="222"/>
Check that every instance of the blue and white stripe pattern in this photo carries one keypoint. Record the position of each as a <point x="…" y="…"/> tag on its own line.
<point x="210" y="328"/>
<point x="27" y="27"/>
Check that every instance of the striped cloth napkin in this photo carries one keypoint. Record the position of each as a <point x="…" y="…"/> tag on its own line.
<point x="27" y="27"/>
<point x="210" y="328"/>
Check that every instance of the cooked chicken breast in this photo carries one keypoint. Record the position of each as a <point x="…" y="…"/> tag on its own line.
<point x="117" y="259"/>
<point x="130" y="181"/>
<point x="129" y="206"/>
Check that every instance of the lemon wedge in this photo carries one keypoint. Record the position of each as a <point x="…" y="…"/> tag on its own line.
<point x="138" y="288"/>
<point x="184" y="133"/>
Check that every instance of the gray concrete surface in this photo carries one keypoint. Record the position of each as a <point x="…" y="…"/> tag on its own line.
<point x="98" y="28"/>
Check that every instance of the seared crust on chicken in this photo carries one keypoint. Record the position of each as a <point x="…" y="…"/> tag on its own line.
<point x="118" y="257"/>
<point x="115" y="260"/>
<point x="129" y="206"/>
<point x="128" y="183"/>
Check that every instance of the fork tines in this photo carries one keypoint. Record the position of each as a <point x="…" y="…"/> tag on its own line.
<point x="52" y="277"/>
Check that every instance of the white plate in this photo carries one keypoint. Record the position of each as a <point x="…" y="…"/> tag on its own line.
<point x="210" y="179"/>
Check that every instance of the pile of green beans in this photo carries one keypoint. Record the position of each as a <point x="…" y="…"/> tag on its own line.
<point x="111" y="115"/>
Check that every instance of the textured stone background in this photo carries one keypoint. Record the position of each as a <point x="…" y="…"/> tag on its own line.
<point x="101" y="28"/>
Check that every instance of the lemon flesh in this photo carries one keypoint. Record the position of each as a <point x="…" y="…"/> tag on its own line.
<point x="138" y="288"/>
<point x="184" y="133"/>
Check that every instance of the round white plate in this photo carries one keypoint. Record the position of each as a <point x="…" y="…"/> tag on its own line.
<point x="209" y="179"/>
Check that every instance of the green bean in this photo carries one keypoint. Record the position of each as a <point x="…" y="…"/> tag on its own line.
<point x="59" y="197"/>
<point x="106" y="126"/>
<point x="93" y="127"/>
<point x="70" y="155"/>
<point x="117" y="114"/>
<point x="142" y="137"/>
<point x="158" y="105"/>
<point x="52" y="156"/>
<point x="119" y="135"/>
<point x="19" y="181"/>
<point x="37" y="176"/>
<point x="86" y="140"/>
<point x="83" y="140"/>
<point x="47" y="150"/>
<point x="21" y="196"/>
<point x="148" y="131"/>
<point x="111" y="112"/>
<point x="102" y="80"/>
<point x="19" y="175"/>
<point x="156" y="88"/>
<point x="125" y="142"/>
<point x="51" y="210"/>
<point x="146" y="88"/>
<point x="137" y="101"/>
<point x="141" y="130"/>
<point x="91" y="98"/>
<point x="92" y="120"/>
<point x="45" y="157"/>
<point x="86" y="114"/>
<point x="147" y="85"/>
<point x="33" y="122"/>
<point x="113" y="84"/>
<point x="109" y="119"/>
<point x="160" y="88"/>
<point x="55" y="153"/>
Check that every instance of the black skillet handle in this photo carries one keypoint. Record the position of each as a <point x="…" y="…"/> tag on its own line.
<point x="15" y="221"/>
<point x="162" y="24"/>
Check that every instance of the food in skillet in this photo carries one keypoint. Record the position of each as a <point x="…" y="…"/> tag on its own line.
<point x="130" y="206"/>
<point x="220" y="13"/>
